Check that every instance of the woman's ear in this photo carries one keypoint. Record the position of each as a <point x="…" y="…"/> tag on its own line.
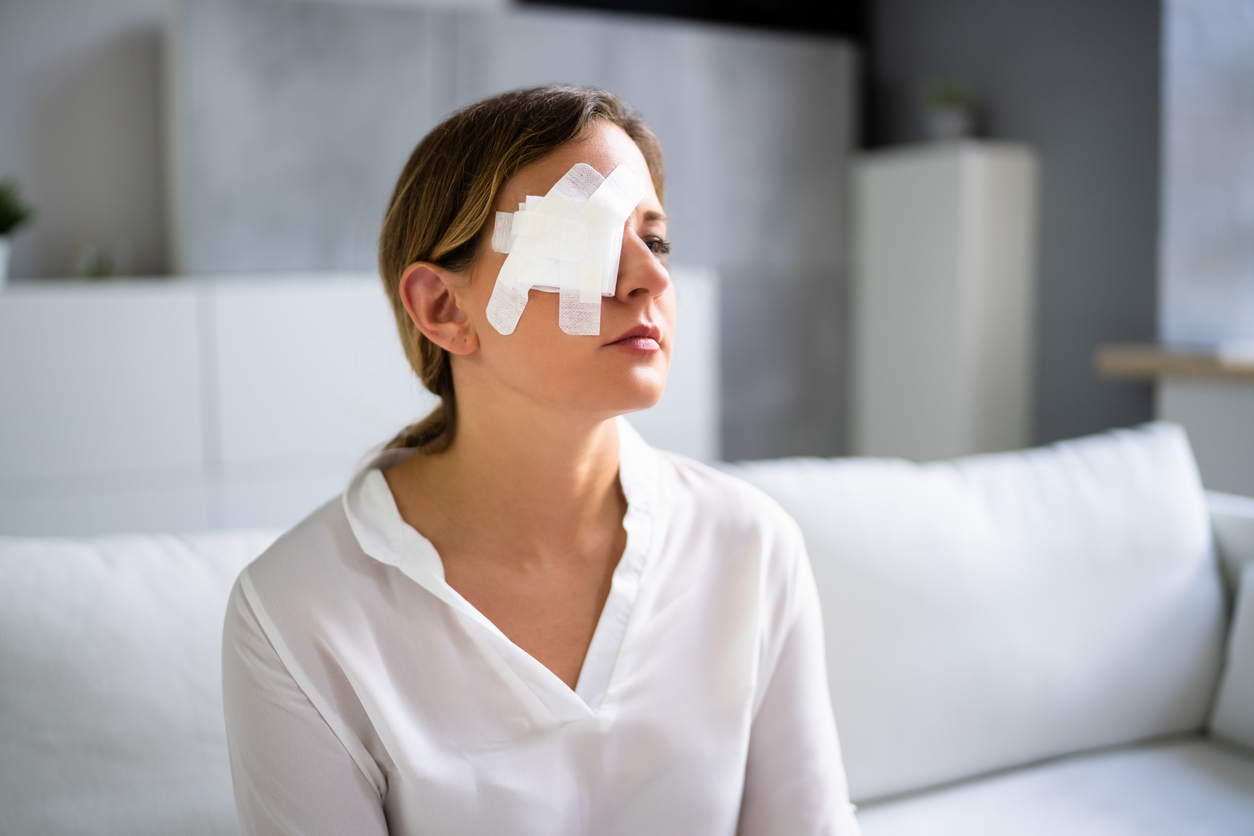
<point x="427" y="292"/>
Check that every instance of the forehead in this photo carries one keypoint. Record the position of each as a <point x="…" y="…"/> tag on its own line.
<point x="603" y="146"/>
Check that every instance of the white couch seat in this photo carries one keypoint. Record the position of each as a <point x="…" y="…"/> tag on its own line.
<point x="1187" y="786"/>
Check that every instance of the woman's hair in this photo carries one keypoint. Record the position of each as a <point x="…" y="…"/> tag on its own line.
<point x="445" y="194"/>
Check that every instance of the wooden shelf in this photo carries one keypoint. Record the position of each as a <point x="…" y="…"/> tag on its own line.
<point x="1148" y="361"/>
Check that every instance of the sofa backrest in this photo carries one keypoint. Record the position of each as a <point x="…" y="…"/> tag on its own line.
<point x="997" y="610"/>
<point x="110" y="683"/>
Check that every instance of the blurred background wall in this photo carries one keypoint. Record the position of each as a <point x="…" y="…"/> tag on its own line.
<point x="284" y="125"/>
<point x="1129" y="105"/>
<point x="1079" y="81"/>
<point x="293" y="120"/>
<point x="81" y="129"/>
<point x="1208" y="171"/>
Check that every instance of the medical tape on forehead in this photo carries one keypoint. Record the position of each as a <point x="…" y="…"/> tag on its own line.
<point x="567" y="242"/>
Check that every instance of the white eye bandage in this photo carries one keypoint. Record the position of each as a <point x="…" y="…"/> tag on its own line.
<point x="567" y="242"/>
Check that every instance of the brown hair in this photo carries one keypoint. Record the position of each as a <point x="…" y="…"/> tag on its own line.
<point x="445" y="195"/>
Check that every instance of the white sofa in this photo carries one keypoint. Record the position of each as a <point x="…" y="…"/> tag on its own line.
<point x="1023" y="643"/>
<point x="1034" y="642"/>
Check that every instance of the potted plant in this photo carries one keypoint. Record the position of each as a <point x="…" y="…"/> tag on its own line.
<point x="13" y="214"/>
<point x="949" y="110"/>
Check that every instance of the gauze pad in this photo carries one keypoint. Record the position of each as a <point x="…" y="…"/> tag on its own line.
<point x="567" y="242"/>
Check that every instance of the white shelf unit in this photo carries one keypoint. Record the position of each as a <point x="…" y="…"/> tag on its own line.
<point x="943" y="299"/>
<point x="238" y="401"/>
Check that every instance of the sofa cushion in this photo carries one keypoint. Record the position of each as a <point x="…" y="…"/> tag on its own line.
<point x="1234" y="705"/>
<point x="110" y="683"/>
<point x="996" y="610"/>
<point x="1167" y="789"/>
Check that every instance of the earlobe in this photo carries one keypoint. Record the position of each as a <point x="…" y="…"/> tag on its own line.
<point x="427" y="291"/>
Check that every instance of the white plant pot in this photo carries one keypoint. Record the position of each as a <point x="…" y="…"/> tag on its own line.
<point x="946" y="123"/>
<point x="4" y="260"/>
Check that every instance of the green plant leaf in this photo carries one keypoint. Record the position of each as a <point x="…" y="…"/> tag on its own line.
<point x="14" y="212"/>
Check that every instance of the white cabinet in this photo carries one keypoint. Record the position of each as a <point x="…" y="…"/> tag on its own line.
<point x="82" y="362"/>
<point x="184" y="404"/>
<point x="943" y="300"/>
<point x="237" y="401"/>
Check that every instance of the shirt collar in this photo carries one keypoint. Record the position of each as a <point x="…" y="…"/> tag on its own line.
<point x="384" y="535"/>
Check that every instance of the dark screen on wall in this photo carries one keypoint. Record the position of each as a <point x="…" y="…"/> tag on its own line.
<point x="842" y="19"/>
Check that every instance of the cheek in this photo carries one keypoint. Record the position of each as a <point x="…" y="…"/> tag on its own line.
<point x="666" y="312"/>
<point x="538" y="327"/>
<point x="482" y="281"/>
<point x="537" y="350"/>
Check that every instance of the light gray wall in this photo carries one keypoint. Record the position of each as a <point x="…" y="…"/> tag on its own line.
<point x="291" y="121"/>
<point x="1078" y="80"/>
<point x="80" y="129"/>
<point x="1208" y="171"/>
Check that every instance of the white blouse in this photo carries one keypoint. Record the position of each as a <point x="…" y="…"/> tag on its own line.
<point x="364" y="695"/>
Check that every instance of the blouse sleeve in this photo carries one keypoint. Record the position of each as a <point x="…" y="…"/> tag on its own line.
<point x="291" y="773"/>
<point x="794" y="779"/>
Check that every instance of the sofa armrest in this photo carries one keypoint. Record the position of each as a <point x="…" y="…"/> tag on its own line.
<point x="1232" y="520"/>
<point x="1233" y="714"/>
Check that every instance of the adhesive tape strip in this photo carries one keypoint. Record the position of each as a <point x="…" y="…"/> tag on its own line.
<point x="569" y="242"/>
<point x="502" y="229"/>
<point x="548" y="236"/>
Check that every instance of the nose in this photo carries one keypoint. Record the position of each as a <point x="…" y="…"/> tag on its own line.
<point x="641" y="274"/>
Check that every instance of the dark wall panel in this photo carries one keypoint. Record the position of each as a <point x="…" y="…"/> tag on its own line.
<point x="1079" y="80"/>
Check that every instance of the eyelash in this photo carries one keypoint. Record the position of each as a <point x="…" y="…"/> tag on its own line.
<point x="663" y="247"/>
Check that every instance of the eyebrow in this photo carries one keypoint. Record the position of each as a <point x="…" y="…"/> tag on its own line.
<point x="654" y="215"/>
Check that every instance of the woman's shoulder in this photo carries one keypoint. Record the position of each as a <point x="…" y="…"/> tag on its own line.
<point x="723" y="499"/>
<point x="725" y="536"/>
<point x="310" y="558"/>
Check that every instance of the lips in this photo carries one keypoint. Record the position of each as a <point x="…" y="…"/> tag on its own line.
<point x="643" y="331"/>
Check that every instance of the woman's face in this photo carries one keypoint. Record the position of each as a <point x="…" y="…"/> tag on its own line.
<point x="624" y="368"/>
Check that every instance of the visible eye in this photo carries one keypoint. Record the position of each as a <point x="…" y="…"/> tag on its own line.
<point x="658" y="247"/>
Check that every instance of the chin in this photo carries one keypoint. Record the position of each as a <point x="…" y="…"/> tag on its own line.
<point x="620" y="397"/>
<point x="638" y="394"/>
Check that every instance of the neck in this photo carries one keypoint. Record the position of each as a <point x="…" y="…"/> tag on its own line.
<point x="521" y="474"/>
<point x="550" y="471"/>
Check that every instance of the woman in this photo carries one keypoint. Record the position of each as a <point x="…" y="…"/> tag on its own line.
<point x="520" y="618"/>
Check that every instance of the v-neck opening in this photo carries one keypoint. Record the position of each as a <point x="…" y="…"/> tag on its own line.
<point x="608" y="637"/>
<point x="384" y="535"/>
